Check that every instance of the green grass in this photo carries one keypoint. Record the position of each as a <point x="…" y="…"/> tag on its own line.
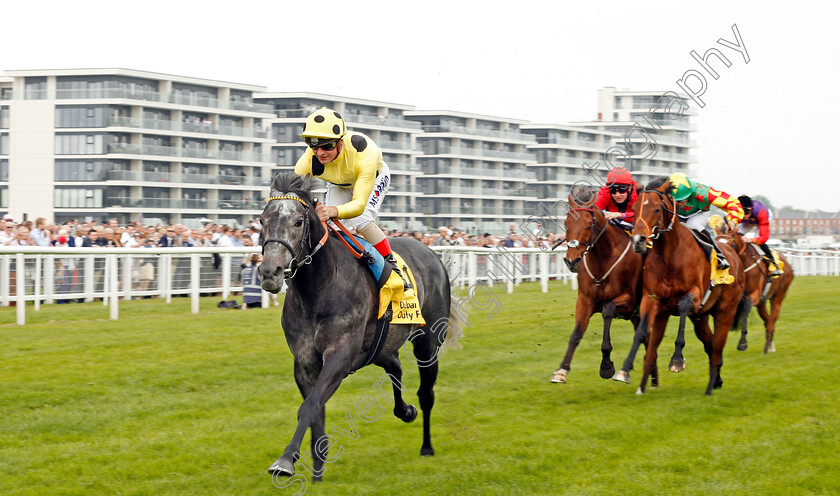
<point x="164" y="402"/>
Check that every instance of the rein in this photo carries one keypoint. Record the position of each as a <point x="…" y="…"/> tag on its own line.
<point x="574" y="243"/>
<point x="296" y="263"/>
<point x="653" y="233"/>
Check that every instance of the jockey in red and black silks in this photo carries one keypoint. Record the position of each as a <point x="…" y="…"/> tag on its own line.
<point x="757" y="216"/>
<point x="617" y="197"/>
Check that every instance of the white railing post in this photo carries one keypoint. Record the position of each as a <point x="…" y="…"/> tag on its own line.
<point x="128" y="262"/>
<point x="472" y="269"/>
<point x="195" y="272"/>
<point x="167" y="284"/>
<point x="20" y="274"/>
<point x="112" y="271"/>
<point x="49" y="279"/>
<point x="37" y="286"/>
<point x="511" y="272"/>
<point x="225" y="276"/>
<point x="88" y="278"/>
<point x="544" y="271"/>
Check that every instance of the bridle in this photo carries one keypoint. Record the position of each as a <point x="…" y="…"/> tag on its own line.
<point x="653" y="233"/>
<point x="574" y="243"/>
<point x="298" y="260"/>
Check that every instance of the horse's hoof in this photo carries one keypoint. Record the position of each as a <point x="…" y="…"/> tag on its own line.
<point x="772" y="347"/>
<point x="719" y="383"/>
<point x="282" y="468"/>
<point x="559" y="376"/>
<point x="317" y="478"/>
<point x="410" y="414"/>
<point x="608" y="372"/>
<point x="742" y="346"/>
<point x="427" y="452"/>
<point x="622" y="376"/>
<point x="677" y="365"/>
<point x="640" y="391"/>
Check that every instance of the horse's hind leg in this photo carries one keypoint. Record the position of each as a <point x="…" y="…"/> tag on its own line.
<point x="775" y="309"/>
<point x="677" y="359"/>
<point x="744" y="316"/>
<point x="426" y="350"/>
<point x="768" y="327"/>
<point x="392" y="366"/>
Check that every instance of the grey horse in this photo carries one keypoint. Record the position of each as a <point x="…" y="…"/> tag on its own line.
<point x="330" y="315"/>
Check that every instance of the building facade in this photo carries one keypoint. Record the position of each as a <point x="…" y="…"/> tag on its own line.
<point x="132" y="145"/>
<point x="383" y="122"/>
<point x="150" y="147"/>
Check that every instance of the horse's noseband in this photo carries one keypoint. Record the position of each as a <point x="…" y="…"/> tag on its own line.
<point x="295" y="264"/>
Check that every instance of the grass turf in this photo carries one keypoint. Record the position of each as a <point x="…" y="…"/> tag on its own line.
<point x="165" y="402"/>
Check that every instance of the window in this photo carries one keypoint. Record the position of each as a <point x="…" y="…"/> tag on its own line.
<point x="4" y="117"/>
<point x="35" y="88"/>
<point x="79" y="144"/>
<point x="81" y="170"/>
<point x="78" y="197"/>
<point x="4" y="144"/>
<point x="4" y="170"/>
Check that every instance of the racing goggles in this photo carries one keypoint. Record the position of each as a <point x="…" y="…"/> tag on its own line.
<point x="619" y="188"/>
<point x="315" y="144"/>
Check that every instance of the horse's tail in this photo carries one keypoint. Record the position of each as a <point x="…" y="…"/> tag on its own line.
<point x="742" y="312"/>
<point x="459" y="306"/>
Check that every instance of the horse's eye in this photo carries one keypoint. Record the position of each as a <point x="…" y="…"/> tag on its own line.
<point x="299" y="223"/>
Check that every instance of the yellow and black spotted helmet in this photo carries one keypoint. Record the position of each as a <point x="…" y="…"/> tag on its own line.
<point x="324" y="124"/>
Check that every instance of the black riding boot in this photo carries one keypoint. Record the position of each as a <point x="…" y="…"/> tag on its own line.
<point x="722" y="263"/>
<point x="393" y="261"/>
<point x="768" y="258"/>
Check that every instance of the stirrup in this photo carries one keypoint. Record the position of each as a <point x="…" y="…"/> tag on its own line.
<point x="393" y="261"/>
<point x="774" y="273"/>
<point x="722" y="263"/>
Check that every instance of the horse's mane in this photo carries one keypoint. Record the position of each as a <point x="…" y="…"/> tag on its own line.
<point x="581" y="195"/>
<point x="659" y="181"/>
<point x="289" y="182"/>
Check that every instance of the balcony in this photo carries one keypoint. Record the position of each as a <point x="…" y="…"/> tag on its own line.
<point x="183" y="204"/>
<point x="508" y="175"/>
<point x="148" y="96"/>
<point x="453" y="128"/>
<point x="180" y="178"/>
<point x="171" y="151"/>
<point x="480" y="152"/>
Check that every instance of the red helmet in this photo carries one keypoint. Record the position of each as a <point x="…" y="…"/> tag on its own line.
<point x="620" y="175"/>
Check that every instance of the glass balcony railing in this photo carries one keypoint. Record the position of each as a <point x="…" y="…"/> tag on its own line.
<point x="183" y="204"/>
<point x="508" y="175"/>
<point x="481" y="152"/>
<point x="174" y="177"/>
<point x="171" y="151"/>
<point x="185" y="127"/>
<point x="149" y="96"/>
<point x="453" y="128"/>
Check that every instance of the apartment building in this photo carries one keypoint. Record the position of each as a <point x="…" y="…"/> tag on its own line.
<point x="651" y="131"/>
<point x="383" y="122"/>
<point x="132" y="145"/>
<point x="475" y="170"/>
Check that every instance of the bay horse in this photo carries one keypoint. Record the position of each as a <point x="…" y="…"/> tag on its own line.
<point x="676" y="281"/>
<point x="330" y="315"/>
<point x="610" y="282"/>
<point x="759" y="288"/>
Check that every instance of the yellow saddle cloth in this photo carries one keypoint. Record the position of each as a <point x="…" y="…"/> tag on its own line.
<point x="719" y="276"/>
<point x="777" y="262"/>
<point x="406" y="304"/>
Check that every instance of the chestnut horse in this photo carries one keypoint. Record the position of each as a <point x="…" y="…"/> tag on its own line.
<point x="610" y="282"/>
<point x="676" y="281"/>
<point x="760" y="287"/>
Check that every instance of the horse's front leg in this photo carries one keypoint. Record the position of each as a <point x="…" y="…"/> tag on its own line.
<point x="657" y="332"/>
<point x="677" y="359"/>
<point x="336" y="365"/>
<point x="641" y="335"/>
<point x="583" y="312"/>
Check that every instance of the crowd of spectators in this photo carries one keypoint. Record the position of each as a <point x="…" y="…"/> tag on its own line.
<point x="132" y="235"/>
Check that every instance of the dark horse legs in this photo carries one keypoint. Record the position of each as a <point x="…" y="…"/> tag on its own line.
<point x="311" y="412"/>
<point x="426" y="351"/>
<point x="678" y="360"/>
<point x="391" y="364"/>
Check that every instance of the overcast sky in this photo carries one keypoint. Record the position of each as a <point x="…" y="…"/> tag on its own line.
<point x="766" y="127"/>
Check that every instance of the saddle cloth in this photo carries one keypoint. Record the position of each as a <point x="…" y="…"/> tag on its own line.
<point x="391" y="289"/>
<point x="777" y="261"/>
<point x="717" y="276"/>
